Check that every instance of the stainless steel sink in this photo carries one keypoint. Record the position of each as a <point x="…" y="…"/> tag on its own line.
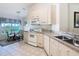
<point x="69" y="40"/>
<point x="66" y="39"/>
<point x="63" y="37"/>
<point x="76" y="42"/>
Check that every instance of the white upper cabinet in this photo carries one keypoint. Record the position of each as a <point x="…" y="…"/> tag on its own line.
<point x="40" y="13"/>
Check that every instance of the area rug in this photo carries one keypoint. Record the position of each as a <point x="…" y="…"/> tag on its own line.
<point x="5" y="42"/>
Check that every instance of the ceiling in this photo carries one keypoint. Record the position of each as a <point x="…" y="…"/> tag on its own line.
<point x="14" y="10"/>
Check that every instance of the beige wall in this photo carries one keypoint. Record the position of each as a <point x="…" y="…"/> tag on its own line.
<point x="73" y="7"/>
<point x="63" y="17"/>
<point x="53" y="14"/>
<point x="66" y="18"/>
<point x="61" y="20"/>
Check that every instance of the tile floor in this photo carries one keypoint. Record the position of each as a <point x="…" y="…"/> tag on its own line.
<point x="21" y="49"/>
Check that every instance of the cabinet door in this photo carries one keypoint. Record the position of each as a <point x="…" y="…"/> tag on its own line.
<point x="45" y="14"/>
<point x="54" y="47"/>
<point x="59" y="49"/>
<point x="51" y="47"/>
<point x="40" y="40"/>
<point x="25" y="36"/>
<point x="42" y="12"/>
<point x="63" y="50"/>
<point x="67" y="51"/>
<point x="72" y="52"/>
<point x="46" y="44"/>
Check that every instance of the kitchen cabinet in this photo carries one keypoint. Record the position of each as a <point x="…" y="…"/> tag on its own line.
<point x="25" y="36"/>
<point x="65" y="50"/>
<point x="46" y="44"/>
<point x="59" y="49"/>
<point x="54" y="47"/>
<point x="40" y="13"/>
<point x="72" y="52"/>
<point x="40" y="40"/>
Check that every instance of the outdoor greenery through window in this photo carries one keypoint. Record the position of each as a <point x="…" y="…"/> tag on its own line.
<point x="9" y="26"/>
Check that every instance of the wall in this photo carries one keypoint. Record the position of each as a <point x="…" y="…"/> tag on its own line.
<point x="66" y="18"/>
<point x="55" y="17"/>
<point x="73" y="7"/>
<point x="63" y="17"/>
<point x="60" y="23"/>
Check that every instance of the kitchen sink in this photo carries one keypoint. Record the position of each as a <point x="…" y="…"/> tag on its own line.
<point x="68" y="40"/>
<point x="62" y="37"/>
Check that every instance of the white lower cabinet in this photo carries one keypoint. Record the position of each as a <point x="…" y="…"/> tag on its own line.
<point x="67" y="51"/>
<point x="25" y="37"/>
<point x="54" y="48"/>
<point x="72" y="52"/>
<point x="50" y="45"/>
<point x="59" y="49"/>
<point x="46" y="44"/>
<point x="40" y="40"/>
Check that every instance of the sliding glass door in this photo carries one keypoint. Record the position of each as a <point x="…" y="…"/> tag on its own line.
<point x="9" y="26"/>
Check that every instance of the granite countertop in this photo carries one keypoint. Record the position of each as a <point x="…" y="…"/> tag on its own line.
<point x="52" y="35"/>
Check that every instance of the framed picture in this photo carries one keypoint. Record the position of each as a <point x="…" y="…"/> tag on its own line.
<point x="76" y="19"/>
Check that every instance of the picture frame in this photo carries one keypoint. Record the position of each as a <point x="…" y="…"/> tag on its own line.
<point x="76" y="19"/>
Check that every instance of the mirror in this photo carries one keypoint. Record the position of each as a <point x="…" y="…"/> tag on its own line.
<point x="76" y="19"/>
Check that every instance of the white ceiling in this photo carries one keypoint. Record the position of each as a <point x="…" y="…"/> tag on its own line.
<point x="9" y="10"/>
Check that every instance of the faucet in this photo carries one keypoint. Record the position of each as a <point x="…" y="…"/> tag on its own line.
<point x="72" y="36"/>
<point x="75" y="39"/>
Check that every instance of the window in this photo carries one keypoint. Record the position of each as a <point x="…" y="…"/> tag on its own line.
<point x="10" y="25"/>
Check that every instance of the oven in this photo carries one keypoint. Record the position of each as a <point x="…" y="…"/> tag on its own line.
<point x="32" y="38"/>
